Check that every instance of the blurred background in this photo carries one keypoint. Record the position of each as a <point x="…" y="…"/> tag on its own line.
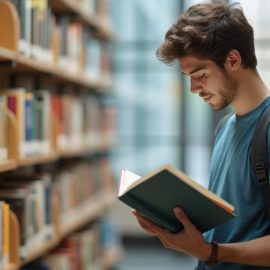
<point x="159" y="120"/>
<point x="82" y="96"/>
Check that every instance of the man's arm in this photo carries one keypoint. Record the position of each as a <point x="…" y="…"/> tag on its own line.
<point x="191" y="242"/>
<point x="253" y="252"/>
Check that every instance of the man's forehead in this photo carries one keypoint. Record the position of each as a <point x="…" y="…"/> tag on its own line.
<point x="190" y="64"/>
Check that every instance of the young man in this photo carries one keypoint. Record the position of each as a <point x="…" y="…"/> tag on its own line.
<point x="214" y="46"/>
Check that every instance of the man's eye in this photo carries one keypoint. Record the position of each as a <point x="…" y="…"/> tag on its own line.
<point x="202" y="76"/>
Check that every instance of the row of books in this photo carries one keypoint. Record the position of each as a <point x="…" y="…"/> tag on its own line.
<point x="80" y="182"/>
<point x="46" y="122"/>
<point x="45" y="203"/>
<point x="59" y="40"/>
<point x="82" y="251"/>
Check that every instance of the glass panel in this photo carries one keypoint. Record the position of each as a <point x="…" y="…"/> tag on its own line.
<point x="147" y="91"/>
<point x="198" y="129"/>
<point x="257" y="13"/>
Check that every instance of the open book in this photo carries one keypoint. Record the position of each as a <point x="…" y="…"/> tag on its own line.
<point x="155" y="194"/>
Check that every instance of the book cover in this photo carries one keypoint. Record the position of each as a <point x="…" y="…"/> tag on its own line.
<point x="43" y="126"/>
<point x="19" y="202"/>
<point x="16" y="105"/>
<point x="156" y="194"/>
<point x="29" y="117"/>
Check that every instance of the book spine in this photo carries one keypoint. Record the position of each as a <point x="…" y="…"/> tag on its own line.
<point x="1" y="233"/>
<point x="3" y="129"/>
<point x="16" y="104"/>
<point x="29" y="115"/>
<point x="6" y="238"/>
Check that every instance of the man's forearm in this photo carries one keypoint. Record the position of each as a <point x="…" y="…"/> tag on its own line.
<point x="254" y="252"/>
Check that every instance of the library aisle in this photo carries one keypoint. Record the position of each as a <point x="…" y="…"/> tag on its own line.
<point x="57" y="128"/>
<point x="148" y="254"/>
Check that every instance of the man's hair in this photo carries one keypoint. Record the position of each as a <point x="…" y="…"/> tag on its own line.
<point x="210" y="31"/>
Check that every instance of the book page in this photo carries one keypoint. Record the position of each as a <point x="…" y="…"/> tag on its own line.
<point x="127" y="179"/>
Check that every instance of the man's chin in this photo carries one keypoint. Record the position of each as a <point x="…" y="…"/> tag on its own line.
<point x="217" y="107"/>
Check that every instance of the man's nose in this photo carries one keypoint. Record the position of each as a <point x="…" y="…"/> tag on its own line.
<point x="195" y="86"/>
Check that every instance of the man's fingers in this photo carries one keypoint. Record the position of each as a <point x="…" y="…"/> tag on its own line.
<point x="144" y="223"/>
<point x="148" y="224"/>
<point x="183" y="218"/>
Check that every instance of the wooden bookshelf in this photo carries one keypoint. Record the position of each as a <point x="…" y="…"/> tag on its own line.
<point x="75" y="152"/>
<point x="90" y="210"/>
<point x="13" y="62"/>
<point x="85" y="150"/>
<point x="93" y="209"/>
<point x="101" y="25"/>
<point x="8" y="165"/>
<point x="12" y="267"/>
<point x="40" y="251"/>
<point x="109" y="258"/>
<point x="42" y="159"/>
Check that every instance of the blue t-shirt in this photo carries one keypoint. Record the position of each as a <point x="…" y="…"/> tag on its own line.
<point x="232" y="179"/>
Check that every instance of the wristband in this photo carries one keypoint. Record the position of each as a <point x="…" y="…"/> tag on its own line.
<point x="214" y="255"/>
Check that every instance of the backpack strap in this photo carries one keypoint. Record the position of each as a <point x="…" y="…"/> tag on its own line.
<point x="259" y="155"/>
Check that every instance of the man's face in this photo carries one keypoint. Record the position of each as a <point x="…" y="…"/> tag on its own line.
<point x="209" y="81"/>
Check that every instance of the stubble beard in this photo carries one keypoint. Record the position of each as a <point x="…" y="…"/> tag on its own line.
<point x="226" y="94"/>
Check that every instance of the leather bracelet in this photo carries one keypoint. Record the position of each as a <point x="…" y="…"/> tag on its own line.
<point x="214" y="255"/>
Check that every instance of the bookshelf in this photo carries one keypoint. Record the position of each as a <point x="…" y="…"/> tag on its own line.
<point x="96" y="208"/>
<point x="100" y="24"/>
<point x="15" y="63"/>
<point x="8" y="165"/>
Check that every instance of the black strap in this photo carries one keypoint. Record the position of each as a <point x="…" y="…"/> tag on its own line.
<point x="259" y="155"/>
<point x="259" y="152"/>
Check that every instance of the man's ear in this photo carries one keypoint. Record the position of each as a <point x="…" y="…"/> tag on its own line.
<point x="233" y="60"/>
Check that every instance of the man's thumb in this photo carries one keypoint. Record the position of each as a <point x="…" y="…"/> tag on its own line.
<point x="181" y="216"/>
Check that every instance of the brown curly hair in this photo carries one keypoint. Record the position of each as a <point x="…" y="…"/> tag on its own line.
<point x="210" y="31"/>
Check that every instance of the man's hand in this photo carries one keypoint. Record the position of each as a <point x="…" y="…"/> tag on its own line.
<point x="189" y="241"/>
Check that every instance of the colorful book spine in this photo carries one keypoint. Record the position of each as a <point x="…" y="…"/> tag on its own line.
<point x="16" y="105"/>
<point x="3" y="129"/>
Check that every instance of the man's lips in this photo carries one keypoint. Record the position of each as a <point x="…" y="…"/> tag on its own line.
<point x="206" y="97"/>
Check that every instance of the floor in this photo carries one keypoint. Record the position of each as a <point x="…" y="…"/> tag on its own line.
<point x="145" y="254"/>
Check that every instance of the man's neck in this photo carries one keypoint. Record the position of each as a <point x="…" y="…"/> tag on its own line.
<point x="251" y="92"/>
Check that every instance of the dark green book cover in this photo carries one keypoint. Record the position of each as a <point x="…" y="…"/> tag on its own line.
<point x="156" y="194"/>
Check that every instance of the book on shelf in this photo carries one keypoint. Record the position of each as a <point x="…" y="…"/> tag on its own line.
<point x="158" y="192"/>
<point x="35" y="28"/>
<point x="20" y="203"/>
<point x="31" y="110"/>
<point x="15" y="104"/>
<point x="29" y="197"/>
<point x="42" y="119"/>
<point x="5" y="234"/>
<point x="79" y="251"/>
<point x="3" y="129"/>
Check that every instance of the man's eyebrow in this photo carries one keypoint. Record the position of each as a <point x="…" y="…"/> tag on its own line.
<point x="193" y="71"/>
